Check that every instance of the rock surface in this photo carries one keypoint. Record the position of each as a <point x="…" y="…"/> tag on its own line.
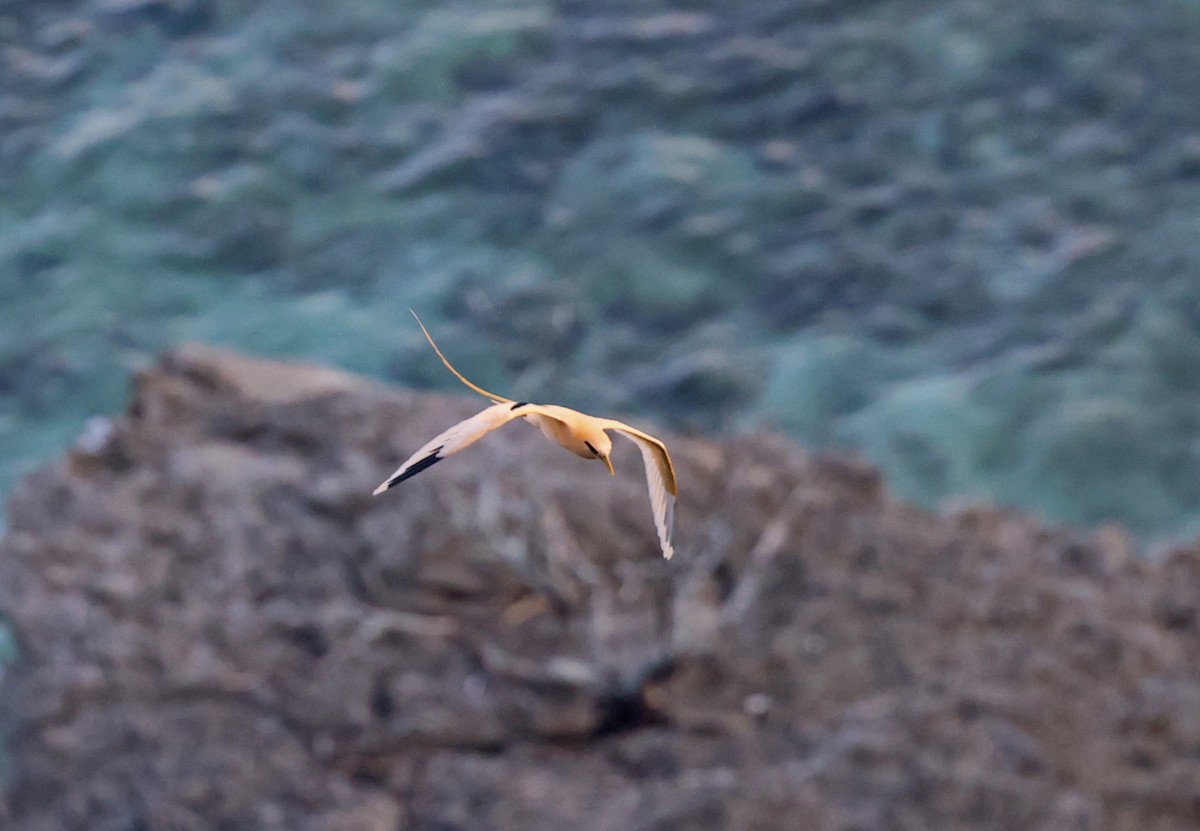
<point x="220" y="628"/>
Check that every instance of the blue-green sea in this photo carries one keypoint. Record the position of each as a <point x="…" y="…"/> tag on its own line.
<point x="960" y="239"/>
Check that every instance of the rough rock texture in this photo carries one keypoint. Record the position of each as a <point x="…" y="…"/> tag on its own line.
<point x="219" y="628"/>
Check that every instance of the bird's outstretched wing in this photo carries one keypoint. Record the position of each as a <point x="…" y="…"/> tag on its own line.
<point x="461" y="435"/>
<point x="660" y="476"/>
<point x="499" y="399"/>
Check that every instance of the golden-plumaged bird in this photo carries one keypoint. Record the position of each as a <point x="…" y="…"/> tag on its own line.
<point x="582" y="434"/>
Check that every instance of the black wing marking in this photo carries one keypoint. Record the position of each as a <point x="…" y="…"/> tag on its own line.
<point x="424" y="464"/>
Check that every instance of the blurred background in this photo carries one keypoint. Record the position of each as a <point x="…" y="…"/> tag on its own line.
<point x="962" y="238"/>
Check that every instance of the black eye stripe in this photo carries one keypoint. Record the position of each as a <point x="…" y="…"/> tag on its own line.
<point x="595" y="452"/>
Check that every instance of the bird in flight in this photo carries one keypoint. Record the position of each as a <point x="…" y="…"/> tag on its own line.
<point x="582" y="434"/>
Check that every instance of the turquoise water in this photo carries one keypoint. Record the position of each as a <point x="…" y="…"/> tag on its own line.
<point x="960" y="241"/>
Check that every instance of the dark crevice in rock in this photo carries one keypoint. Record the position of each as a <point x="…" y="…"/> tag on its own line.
<point x="626" y="711"/>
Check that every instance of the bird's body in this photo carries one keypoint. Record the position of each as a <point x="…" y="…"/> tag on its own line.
<point x="582" y="434"/>
<point x="570" y="428"/>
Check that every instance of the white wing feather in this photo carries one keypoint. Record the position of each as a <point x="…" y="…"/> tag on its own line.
<point x="660" y="477"/>
<point x="461" y="435"/>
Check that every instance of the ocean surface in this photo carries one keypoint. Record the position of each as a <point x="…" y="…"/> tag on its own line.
<point x="961" y="239"/>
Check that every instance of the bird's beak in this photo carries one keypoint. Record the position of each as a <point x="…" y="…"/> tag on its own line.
<point x="608" y="462"/>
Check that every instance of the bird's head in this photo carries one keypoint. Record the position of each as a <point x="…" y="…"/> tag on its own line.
<point x="600" y="445"/>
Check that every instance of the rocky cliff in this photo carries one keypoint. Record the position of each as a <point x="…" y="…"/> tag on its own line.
<point x="219" y="627"/>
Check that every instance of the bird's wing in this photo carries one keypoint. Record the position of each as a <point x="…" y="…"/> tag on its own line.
<point x="499" y="399"/>
<point x="660" y="476"/>
<point x="461" y="435"/>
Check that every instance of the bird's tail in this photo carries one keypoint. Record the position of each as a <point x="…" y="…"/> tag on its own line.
<point x="497" y="398"/>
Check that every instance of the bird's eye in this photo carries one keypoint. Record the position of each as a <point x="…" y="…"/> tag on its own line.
<point x="589" y="447"/>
